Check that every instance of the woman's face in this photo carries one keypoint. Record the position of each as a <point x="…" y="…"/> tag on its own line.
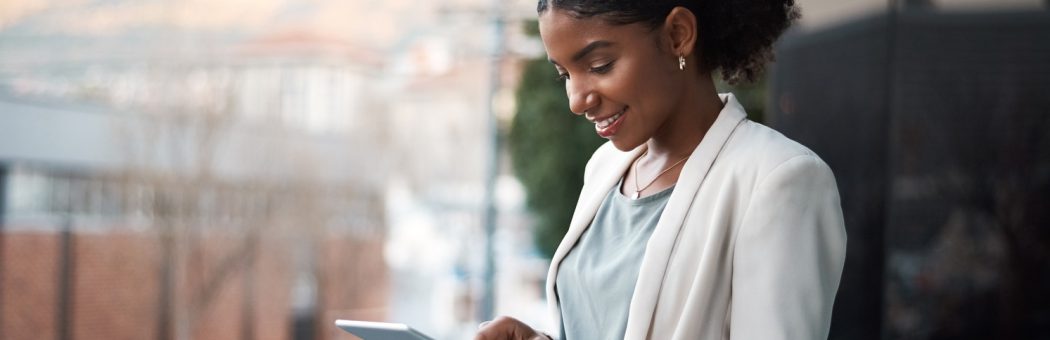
<point x="616" y="76"/>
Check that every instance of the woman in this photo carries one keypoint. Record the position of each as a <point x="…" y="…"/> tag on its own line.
<point x="693" y="222"/>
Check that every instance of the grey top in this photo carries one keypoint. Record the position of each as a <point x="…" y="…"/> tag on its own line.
<point x="596" y="279"/>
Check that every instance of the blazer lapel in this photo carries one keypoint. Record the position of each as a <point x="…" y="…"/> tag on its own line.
<point x="607" y="174"/>
<point x="662" y="241"/>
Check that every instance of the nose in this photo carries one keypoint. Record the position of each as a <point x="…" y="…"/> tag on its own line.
<point x="581" y="96"/>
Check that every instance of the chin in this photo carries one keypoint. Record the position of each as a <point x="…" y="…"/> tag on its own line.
<point x="625" y="145"/>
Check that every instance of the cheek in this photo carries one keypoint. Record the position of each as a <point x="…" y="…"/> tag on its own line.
<point x="649" y="89"/>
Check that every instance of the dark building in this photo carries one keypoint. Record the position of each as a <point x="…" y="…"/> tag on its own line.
<point x="936" y="127"/>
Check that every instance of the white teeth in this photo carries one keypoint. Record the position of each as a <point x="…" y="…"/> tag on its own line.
<point x="608" y="121"/>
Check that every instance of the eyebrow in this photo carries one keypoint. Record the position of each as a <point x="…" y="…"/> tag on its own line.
<point x="587" y="50"/>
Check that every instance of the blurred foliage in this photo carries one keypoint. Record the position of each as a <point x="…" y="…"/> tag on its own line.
<point x="550" y="146"/>
<point x="751" y="95"/>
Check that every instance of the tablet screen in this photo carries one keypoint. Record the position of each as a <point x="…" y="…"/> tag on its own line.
<point x="368" y="330"/>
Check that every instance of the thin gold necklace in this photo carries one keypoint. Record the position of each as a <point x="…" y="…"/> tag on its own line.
<point x="637" y="191"/>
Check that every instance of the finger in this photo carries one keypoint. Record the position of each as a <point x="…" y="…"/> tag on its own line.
<point x="483" y="324"/>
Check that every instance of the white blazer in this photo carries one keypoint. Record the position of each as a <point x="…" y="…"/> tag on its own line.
<point x="750" y="245"/>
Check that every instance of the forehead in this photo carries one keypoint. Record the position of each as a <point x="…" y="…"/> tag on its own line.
<point x="559" y="22"/>
<point x="563" y="34"/>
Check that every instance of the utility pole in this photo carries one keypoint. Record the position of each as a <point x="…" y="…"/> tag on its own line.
<point x="488" y="298"/>
<point x="66" y="277"/>
<point x="892" y="26"/>
<point x="4" y="173"/>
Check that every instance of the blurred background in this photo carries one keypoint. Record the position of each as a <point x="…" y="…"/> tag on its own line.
<point x="257" y="169"/>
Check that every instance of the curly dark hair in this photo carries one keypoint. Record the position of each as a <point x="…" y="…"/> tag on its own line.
<point x="736" y="36"/>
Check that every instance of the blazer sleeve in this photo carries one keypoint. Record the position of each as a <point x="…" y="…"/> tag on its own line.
<point x="789" y="254"/>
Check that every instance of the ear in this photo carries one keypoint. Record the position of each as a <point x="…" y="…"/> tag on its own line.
<point x="680" y="29"/>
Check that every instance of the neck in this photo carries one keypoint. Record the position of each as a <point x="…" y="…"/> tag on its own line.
<point x="686" y="127"/>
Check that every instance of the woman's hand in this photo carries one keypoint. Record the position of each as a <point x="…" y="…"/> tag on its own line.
<point x="507" y="328"/>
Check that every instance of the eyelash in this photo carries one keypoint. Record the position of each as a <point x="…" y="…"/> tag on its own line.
<point x="596" y="70"/>
<point x="604" y="68"/>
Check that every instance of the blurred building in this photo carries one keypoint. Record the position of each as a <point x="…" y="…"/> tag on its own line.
<point x="824" y="13"/>
<point x="216" y="170"/>
<point x="933" y="117"/>
<point x="211" y="175"/>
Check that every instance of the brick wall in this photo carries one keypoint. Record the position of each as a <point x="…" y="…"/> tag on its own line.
<point x="356" y="284"/>
<point x="29" y="286"/>
<point x="116" y="291"/>
<point x="116" y="284"/>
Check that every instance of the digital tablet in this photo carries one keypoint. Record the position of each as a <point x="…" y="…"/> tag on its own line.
<point x="368" y="330"/>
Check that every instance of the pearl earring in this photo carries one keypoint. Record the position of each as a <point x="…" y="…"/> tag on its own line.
<point x="681" y="63"/>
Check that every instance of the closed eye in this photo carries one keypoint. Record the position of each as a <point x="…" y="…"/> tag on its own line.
<point x="603" y="69"/>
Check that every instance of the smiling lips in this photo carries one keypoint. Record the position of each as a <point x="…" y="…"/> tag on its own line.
<point x="608" y="126"/>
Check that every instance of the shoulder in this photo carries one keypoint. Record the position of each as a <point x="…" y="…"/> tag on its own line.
<point x="755" y="151"/>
